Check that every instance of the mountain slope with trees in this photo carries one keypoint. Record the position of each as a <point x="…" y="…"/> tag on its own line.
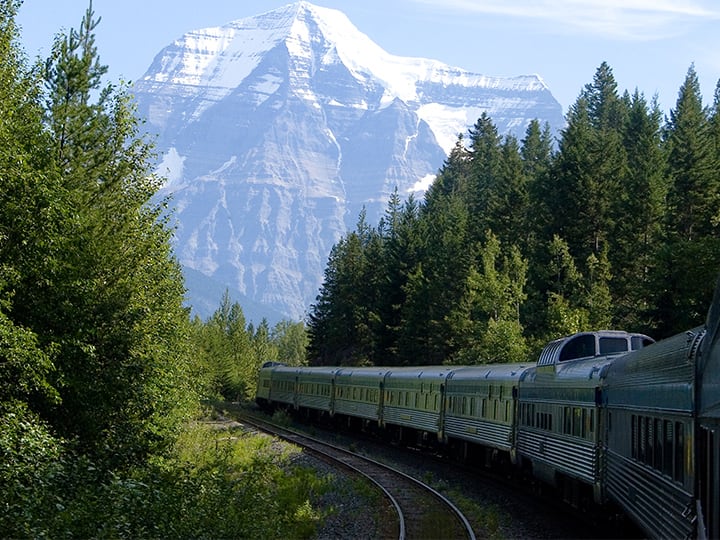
<point x="518" y="243"/>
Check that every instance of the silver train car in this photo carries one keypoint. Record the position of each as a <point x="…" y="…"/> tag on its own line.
<point x="607" y="416"/>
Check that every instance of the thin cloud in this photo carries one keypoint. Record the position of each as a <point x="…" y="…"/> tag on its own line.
<point x="616" y="19"/>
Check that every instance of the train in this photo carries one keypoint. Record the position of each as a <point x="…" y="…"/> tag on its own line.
<point x="606" y="416"/>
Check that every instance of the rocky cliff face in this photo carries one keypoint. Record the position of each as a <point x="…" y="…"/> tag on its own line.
<point x="276" y="130"/>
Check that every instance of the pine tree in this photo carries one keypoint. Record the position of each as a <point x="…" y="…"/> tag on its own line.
<point x="484" y="176"/>
<point x="114" y="307"/>
<point x="342" y="319"/>
<point x="537" y="156"/>
<point x="436" y="284"/>
<point x="691" y="252"/>
<point x="508" y="215"/>
<point x="641" y="206"/>
<point x="398" y="255"/>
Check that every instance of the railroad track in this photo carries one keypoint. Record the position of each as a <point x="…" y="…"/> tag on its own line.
<point x="421" y="511"/>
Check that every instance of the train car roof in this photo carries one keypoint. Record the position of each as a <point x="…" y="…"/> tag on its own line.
<point x="319" y="370"/>
<point x="490" y="372"/>
<point x="418" y="372"/>
<point x="359" y="371"/>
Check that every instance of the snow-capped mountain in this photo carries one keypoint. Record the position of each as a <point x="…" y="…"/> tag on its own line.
<point x="276" y="130"/>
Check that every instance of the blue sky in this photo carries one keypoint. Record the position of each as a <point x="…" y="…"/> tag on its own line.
<point x="649" y="44"/>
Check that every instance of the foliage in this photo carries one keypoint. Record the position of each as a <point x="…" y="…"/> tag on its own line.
<point x="228" y="351"/>
<point x="255" y="488"/>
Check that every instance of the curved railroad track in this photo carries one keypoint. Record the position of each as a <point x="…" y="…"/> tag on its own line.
<point x="422" y="512"/>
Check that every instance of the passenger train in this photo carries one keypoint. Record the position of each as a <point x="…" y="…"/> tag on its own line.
<point x="609" y="415"/>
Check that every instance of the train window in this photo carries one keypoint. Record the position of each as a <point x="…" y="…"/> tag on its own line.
<point x="638" y="342"/>
<point x="567" y="421"/>
<point x="678" y="473"/>
<point x="612" y="345"/>
<point x="577" y="422"/>
<point x="642" y="452"/>
<point x="578" y="347"/>
<point x="483" y="412"/>
<point x="590" y="423"/>
<point x="667" y="448"/>
<point x="507" y="411"/>
<point x="495" y="408"/>
<point x="472" y="406"/>
<point x="658" y="440"/>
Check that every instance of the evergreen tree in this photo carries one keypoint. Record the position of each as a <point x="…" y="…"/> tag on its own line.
<point x="228" y="346"/>
<point x="508" y="215"/>
<point x="537" y="157"/>
<point x="691" y="252"/>
<point x="484" y="176"/>
<point x="590" y="167"/>
<point x="436" y="285"/>
<point x="341" y="320"/>
<point x="112" y="302"/>
<point x="398" y="256"/>
<point x="641" y="206"/>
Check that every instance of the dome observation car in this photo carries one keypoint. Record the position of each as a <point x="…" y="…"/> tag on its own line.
<point x="590" y="344"/>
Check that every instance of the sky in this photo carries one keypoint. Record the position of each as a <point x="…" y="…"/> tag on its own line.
<point x="648" y="44"/>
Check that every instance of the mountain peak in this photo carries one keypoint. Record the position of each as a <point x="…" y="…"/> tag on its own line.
<point x="276" y="131"/>
<point x="220" y="58"/>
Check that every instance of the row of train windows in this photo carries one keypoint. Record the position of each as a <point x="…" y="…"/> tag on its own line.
<point x="284" y="386"/>
<point x="659" y="444"/>
<point x="316" y="389"/>
<point x="576" y="421"/>
<point x="493" y="409"/>
<point x="491" y="391"/>
<point x="412" y="399"/>
<point x="357" y="393"/>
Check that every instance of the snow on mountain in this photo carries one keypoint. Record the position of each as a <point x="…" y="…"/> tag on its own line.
<point x="276" y="130"/>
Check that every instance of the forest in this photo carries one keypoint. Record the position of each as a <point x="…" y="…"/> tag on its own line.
<point x="106" y="379"/>
<point x="104" y="376"/>
<point x="614" y="224"/>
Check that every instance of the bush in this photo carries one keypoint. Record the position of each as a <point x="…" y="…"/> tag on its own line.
<point x="218" y="484"/>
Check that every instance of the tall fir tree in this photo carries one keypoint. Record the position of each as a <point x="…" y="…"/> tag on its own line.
<point x="691" y="250"/>
<point x="641" y="206"/>
<point x="484" y="175"/>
